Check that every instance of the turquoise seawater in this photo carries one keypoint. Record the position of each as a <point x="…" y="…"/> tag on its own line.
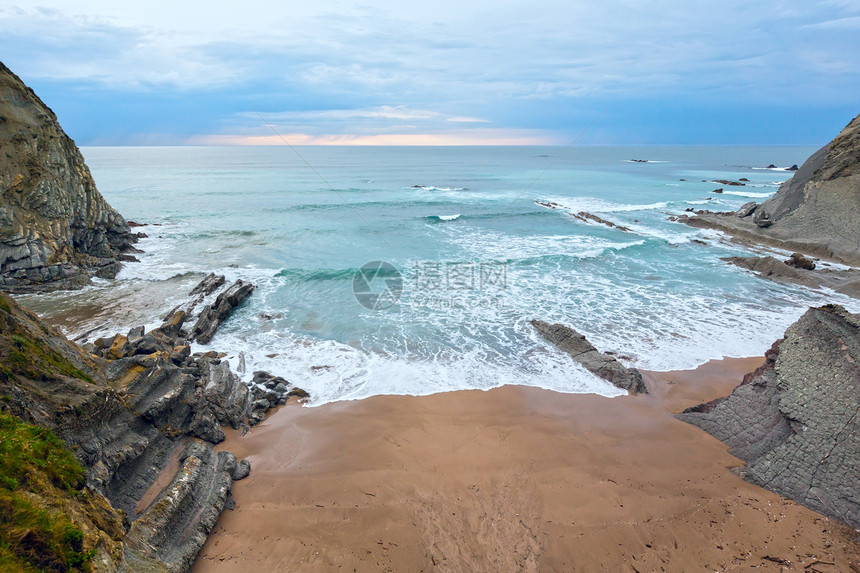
<point x="477" y="254"/>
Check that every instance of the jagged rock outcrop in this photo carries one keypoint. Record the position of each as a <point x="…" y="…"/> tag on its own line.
<point x="596" y="362"/>
<point x="796" y="420"/>
<point x="56" y="230"/>
<point x="142" y="424"/>
<point x="213" y="315"/>
<point x="797" y="271"/>
<point x="814" y="212"/>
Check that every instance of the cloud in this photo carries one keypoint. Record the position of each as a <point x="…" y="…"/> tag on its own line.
<point x="482" y="137"/>
<point x="384" y="67"/>
<point x="849" y="23"/>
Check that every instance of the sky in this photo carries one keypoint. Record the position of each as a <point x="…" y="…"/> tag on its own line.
<point x="466" y="72"/>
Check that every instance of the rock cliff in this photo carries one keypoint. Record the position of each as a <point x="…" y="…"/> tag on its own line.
<point x="141" y="415"/>
<point x="814" y="212"/>
<point x="56" y="230"/>
<point x="794" y="421"/>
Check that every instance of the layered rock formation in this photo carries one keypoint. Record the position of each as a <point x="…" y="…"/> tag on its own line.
<point x="843" y="281"/>
<point x="598" y="363"/>
<point x="56" y="230"/>
<point x="796" y="420"/>
<point x="814" y="212"/>
<point x="143" y="424"/>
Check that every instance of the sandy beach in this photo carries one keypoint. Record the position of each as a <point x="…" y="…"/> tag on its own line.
<point x="513" y="479"/>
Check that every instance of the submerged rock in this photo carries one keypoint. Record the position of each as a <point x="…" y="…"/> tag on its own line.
<point x="794" y="421"/>
<point x="586" y="216"/>
<point x="596" y="362"/>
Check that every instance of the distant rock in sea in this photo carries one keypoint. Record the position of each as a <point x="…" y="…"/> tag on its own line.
<point x="794" y="421"/>
<point x="56" y="230"/>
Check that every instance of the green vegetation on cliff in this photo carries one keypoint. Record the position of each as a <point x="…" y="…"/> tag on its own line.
<point x="36" y="467"/>
<point x="23" y="354"/>
<point x="29" y="358"/>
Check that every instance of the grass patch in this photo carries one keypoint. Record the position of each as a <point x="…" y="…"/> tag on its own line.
<point x="28" y="357"/>
<point x="35" y="465"/>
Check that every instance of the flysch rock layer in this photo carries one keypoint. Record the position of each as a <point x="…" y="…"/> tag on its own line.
<point x="56" y="230"/>
<point x="794" y="421"/>
<point x="142" y="425"/>
<point x="814" y="212"/>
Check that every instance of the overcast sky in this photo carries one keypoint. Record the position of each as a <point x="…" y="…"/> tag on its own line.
<point x="467" y="71"/>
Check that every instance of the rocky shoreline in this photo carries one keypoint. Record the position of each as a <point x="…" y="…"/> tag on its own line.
<point x="56" y="230"/>
<point x="142" y="414"/>
<point x="794" y="420"/>
<point x="814" y="213"/>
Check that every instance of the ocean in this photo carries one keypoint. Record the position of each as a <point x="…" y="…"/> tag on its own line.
<point x="415" y="270"/>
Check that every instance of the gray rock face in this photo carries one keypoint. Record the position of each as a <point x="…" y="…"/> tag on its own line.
<point x="797" y="271"/>
<point x="794" y="421"/>
<point x="774" y="269"/>
<point x="596" y="362"/>
<point x="746" y="209"/>
<point x="142" y="425"/>
<point x="212" y="316"/>
<point x="814" y="212"/>
<point x="56" y="230"/>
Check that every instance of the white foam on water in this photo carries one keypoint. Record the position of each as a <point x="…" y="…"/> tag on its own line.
<point x="670" y="237"/>
<point x="750" y="194"/>
<point x="595" y="205"/>
<point x="331" y="371"/>
<point x="485" y="244"/>
<point x="434" y="188"/>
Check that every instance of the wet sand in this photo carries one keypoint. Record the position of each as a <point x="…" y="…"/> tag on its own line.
<point x="513" y="479"/>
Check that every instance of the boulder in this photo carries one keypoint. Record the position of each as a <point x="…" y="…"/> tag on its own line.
<point x="213" y="315"/>
<point x="120" y="347"/>
<point x="798" y="261"/>
<point x="172" y="325"/>
<point x="596" y="362"/>
<point x="243" y="469"/>
<point x="746" y="209"/>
